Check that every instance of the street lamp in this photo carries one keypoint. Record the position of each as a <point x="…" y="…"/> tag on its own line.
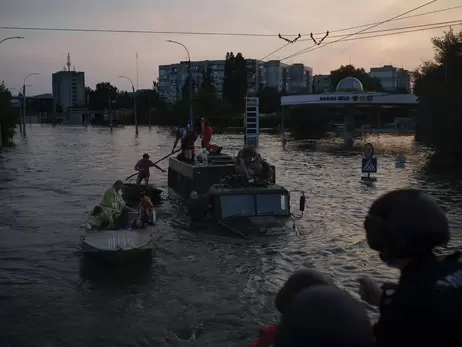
<point x="191" y="121"/>
<point x="24" y="102"/>
<point x="11" y="38"/>
<point x="134" y="102"/>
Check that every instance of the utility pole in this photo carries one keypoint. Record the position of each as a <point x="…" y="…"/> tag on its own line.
<point x="191" y="118"/>
<point x="134" y="103"/>
<point x="24" y="103"/>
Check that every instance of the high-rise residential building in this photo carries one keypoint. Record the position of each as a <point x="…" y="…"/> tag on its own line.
<point x="69" y="87"/>
<point x="277" y="75"/>
<point x="300" y="78"/>
<point x="391" y="78"/>
<point x="173" y="77"/>
<point x="260" y="74"/>
<point x="321" y="83"/>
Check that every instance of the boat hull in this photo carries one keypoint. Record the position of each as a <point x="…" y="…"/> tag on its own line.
<point x="117" y="257"/>
<point x="118" y="245"/>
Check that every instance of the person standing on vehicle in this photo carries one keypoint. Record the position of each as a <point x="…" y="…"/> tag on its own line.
<point x="180" y="134"/>
<point x="206" y="134"/>
<point x="405" y="226"/>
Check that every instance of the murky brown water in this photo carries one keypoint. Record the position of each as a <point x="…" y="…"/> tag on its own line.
<point x="221" y="288"/>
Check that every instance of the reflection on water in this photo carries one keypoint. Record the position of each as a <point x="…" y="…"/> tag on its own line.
<point x="201" y="285"/>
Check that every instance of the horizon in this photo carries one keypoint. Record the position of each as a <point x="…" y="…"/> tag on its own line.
<point x="105" y="56"/>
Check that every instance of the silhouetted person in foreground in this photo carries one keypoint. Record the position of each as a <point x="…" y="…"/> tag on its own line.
<point x="299" y="280"/>
<point x="327" y="316"/>
<point x="405" y="226"/>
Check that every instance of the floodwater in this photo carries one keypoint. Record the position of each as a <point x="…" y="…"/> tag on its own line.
<point x="201" y="289"/>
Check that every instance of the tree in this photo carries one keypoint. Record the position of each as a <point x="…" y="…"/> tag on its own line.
<point x="207" y="78"/>
<point x="270" y="100"/>
<point x="185" y="89"/>
<point x="369" y="83"/>
<point x="207" y="104"/>
<point x="8" y="116"/>
<point x="240" y="91"/>
<point x="438" y="84"/>
<point x="228" y="81"/>
<point x="99" y="98"/>
<point x="235" y="82"/>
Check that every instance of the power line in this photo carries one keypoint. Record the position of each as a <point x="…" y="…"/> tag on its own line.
<point x="398" y="28"/>
<point x="444" y="24"/>
<point x="385" y="35"/>
<point x="199" y="33"/>
<point x="120" y="31"/>
<point x="277" y="50"/>
<point x="429" y="27"/>
<point x="394" y="20"/>
<point x="396" y="33"/>
<point x="305" y="50"/>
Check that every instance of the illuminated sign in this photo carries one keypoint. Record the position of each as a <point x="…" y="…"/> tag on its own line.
<point x="346" y="98"/>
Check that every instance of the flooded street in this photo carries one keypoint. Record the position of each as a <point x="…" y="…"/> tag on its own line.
<point x="212" y="289"/>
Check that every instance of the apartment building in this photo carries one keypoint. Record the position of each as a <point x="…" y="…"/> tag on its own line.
<point x="69" y="87"/>
<point x="321" y="83"/>
<point x="392" y="78"/>
<point x="300" y="78"/>
<point x="290" y="78"/>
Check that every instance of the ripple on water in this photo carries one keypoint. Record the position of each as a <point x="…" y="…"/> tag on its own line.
<point x="216" y="289"/>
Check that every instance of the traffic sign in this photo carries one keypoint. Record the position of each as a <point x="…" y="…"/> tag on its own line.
<point x="15" y="103"/>
<point x="369" y="165"/>
<point x="369" y="150"/>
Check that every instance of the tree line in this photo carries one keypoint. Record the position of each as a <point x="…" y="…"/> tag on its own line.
<point x="438" y="85"/>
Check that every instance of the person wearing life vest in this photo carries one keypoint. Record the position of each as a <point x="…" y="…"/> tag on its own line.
<point x="114" y="205"/>
<point x="299" y="280"/>
<point x="405" y="226"/>
<point x="206" y="134"/>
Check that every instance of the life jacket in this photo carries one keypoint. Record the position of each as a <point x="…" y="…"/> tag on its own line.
<point x="266" y="338"/>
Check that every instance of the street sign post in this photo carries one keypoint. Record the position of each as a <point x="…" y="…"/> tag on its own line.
<point x="369" y="163"/>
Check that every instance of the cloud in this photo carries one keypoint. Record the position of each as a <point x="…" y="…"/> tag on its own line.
<point x="105" y="56"/>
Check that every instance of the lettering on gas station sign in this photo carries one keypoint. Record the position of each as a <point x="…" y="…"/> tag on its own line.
<point x="346" y="98"/>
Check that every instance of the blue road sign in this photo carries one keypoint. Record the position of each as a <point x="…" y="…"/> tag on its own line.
<point x="369" y="165"/>
<point x="14" y="103"/>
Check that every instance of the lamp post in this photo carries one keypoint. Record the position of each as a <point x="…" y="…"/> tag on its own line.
<point x="134" y="102"/>
<point x="3" y="40"/>
<point x="11" y="38"/>
<point x="191" y="120"/>
<point x="24" y="102"/>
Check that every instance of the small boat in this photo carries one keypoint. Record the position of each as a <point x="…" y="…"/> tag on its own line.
<point x="132" y="190"/>
<point x="119" y="245"/>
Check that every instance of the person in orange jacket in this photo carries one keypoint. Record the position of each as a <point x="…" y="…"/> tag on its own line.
<point x="298" y="281"/>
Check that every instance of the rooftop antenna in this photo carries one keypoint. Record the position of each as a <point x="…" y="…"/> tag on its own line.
<point x="68" y="63"/>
